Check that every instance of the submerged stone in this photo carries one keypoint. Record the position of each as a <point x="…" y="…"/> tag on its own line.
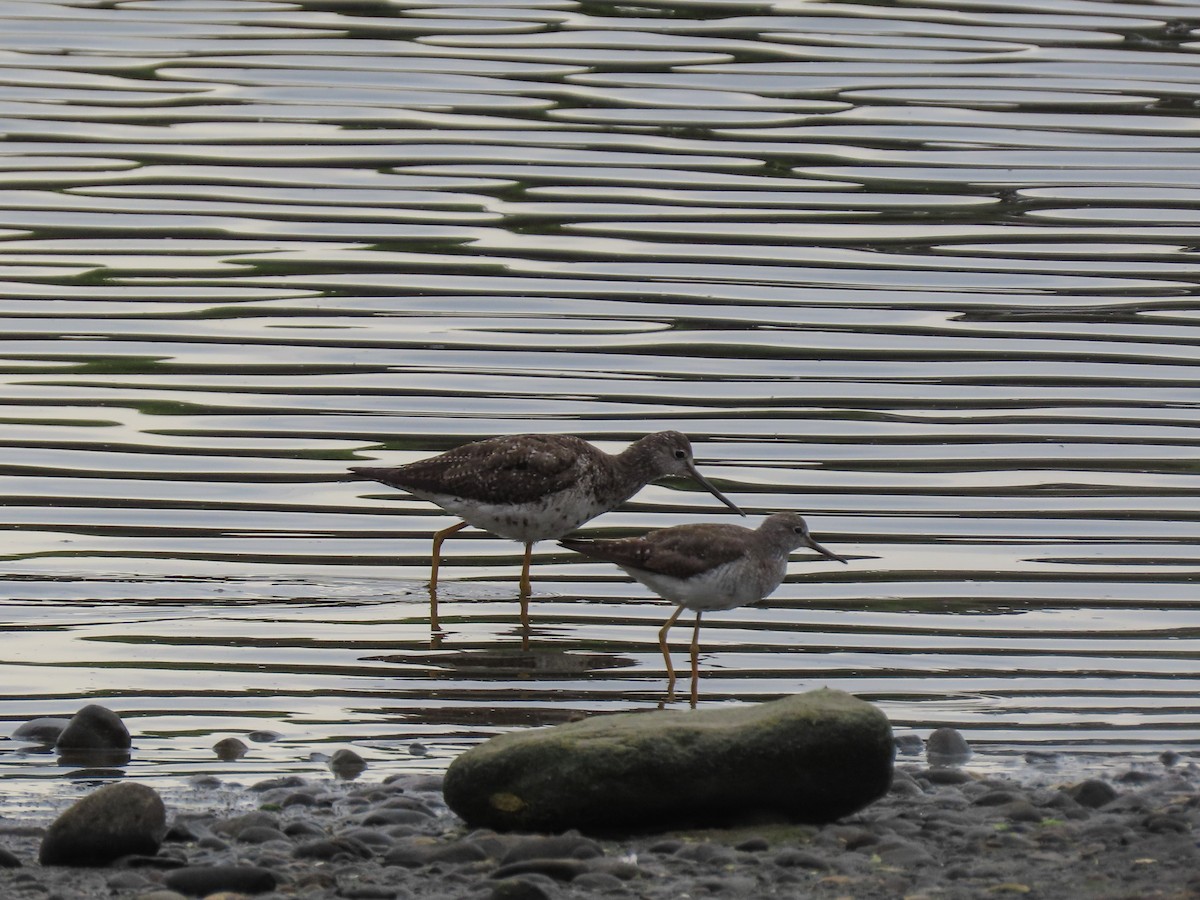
<point x="812" y="757"/>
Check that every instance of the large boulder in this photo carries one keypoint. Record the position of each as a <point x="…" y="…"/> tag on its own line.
<point x="812" y="757"/>
<point x="114" y="821"/>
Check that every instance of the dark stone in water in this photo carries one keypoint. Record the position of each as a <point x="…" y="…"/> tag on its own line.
<point x="284" y="781"/>
<point x="347" y="764"/>
<point x="946" y="747"/>
<point x="43" y="731"/>
<point x="229" y="749"/>
<point x="114" y="821"/>
<point x="8" y="860"/>
<point x="909" y="744"/>
<point x="94" y="728"/>
<point x="813" y="757"/>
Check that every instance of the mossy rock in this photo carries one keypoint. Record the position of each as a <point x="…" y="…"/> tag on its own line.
<point x="812" y="757"/>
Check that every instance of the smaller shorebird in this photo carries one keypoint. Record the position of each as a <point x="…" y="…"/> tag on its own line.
<point x="706" y="567"/>
<point x="534" y="487"/>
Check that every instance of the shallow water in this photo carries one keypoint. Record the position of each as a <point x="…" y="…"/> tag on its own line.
<point x="926" y="273"/>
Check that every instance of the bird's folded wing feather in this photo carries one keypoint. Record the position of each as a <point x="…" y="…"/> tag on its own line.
<point x="497" y="471"/>
<point x="681" y="552"/>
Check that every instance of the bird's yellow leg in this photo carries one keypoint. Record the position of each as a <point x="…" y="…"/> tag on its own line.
<point x="525" y="586"/>
<point x="666" y="652"/>
<point x="696" y="660"/>
<point x="436" y="555"/>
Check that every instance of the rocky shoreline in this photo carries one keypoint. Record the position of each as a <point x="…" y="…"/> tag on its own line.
<point x="940" y="831"/>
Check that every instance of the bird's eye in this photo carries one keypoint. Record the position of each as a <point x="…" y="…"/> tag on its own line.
<point x="681" y="454"/>
<point x="798" y="530"/>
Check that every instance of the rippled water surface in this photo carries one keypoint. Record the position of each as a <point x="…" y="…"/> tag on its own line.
<point x="926" y="272"/>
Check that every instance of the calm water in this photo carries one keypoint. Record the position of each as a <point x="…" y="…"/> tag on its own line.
<point x="926" y="273"/>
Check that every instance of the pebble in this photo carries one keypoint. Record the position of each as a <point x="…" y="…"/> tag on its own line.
<point x="947" y="747"/>
<point x="980" y="837"/>
<point x="44" y="730"/>
<point x="229" y="749"/>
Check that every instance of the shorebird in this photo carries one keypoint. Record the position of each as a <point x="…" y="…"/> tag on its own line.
<point x="534" y="487"/>
<point x="706" y="567"/>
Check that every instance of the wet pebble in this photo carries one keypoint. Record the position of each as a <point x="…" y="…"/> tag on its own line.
<point x="947" y="747"/>
<point x="201" y="881"/>
<point x="984" y="836"/>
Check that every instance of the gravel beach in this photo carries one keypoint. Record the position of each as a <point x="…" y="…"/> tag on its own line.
<point x="1125" y="832"/>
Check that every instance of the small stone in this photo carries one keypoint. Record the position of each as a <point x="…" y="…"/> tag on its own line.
<point x="1022" y="811"/>
<point x="236" y="825"/>
<point x="598" y="883"/>
<point x="1169" y="758"/>
<point x="333" y="848"/>
<point x="395" y="817"/>
<point x="1137" y="776"/>
<point x="229" y="749"/>
<point x="302" y="828"/>
<point x="462" y="851"/>
<point x="909" y="744"/>
<point x="114" y="821"/>
<point x="904" y="853"/>
<point x="521" y="889"/>
<point x="947" y="747"/>
<point x="558" y="869"/>
<point x="854" y="837"/>
<point x="127" y="881"/>
<point x="564" y="846"/>
<point x="947" y="776"/>
<point x="995" y="798"/>
<point x="284" y="781"/>
<point x="753" y="845"/>
<point x="416" y="748"/>
<point x="201" y="881"/>
<point x="260" y="834"/>
<point x="1092" y="793"/>
<point x="263" y="737"/>
<point x="367" y="892"/>
<point x="347" y="764"/>
<point x="8" y="859"/>
<point x="44" y="730"/>
<point x="1166" y="823"/>
<point x="1041" y="758"/>
<point x="801" y="859"/>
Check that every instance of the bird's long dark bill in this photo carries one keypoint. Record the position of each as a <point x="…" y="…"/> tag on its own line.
<point x="824" y="551"/>
<point x="712" y="490"/>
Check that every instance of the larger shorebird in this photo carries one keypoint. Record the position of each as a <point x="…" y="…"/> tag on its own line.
<point x="534" y="487"/>
<point x="706" y="567"/>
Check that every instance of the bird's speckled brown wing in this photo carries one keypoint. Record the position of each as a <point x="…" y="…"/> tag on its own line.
<point x="512" y="469"/>
<point x="682" y="551"/>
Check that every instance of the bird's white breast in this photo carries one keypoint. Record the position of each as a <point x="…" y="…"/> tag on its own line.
<point x="733" y="584"/>
<point x="548" y="517"/>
